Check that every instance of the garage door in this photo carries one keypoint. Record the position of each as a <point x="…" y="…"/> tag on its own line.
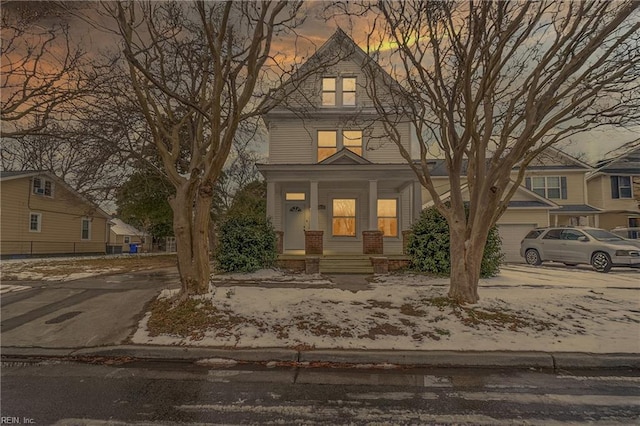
<point x="511" y="235"/>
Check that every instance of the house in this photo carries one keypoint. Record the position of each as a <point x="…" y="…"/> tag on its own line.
<point x="614" y="187"/>
<point x="123" y="235"/>
<point x="42" y="215"/>
<point x="335" y="183"/>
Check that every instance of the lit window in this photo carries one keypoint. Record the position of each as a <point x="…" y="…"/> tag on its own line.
<point x="352" y="140"/>
<point x="344" y="218"/>
<point x="86" y="229"/>
<point x="327" y="144"/>
<point x="328" y="91"/>
<point x="388" y="217"/>
<point x="35" y="222"/>
<point x="349" y="91"/>
<point x="295" y="196"/>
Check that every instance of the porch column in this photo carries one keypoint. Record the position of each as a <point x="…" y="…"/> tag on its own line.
<point x="417" y="200"/>
<point x="373" y="205"/>
<point x="271" y="201"/>
<point x="596" y="221"/>
<point x="313" y="205"/>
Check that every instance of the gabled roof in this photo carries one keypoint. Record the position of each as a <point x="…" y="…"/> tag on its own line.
<point x="552" y="154"/>
<point x="345" y="156"/>
<point x="121" y="228"/>
<point x="627" y="163"/>
<point x="7" y="175"/>
<point x="348" y="50"/>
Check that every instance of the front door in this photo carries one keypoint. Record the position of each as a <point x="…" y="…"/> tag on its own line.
<point x="294" y="226"/>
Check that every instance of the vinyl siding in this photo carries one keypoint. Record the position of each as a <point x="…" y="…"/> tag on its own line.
<point x="600" y="189"/>
<point x="295" y="141"/>
<point x="528" y="216"/>
<point x="61" y="219"/>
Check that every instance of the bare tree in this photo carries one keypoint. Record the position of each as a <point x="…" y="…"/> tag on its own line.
<point x="491" y="85"/>
<point x="39" y="75"/>
<point x="195" y="70"/>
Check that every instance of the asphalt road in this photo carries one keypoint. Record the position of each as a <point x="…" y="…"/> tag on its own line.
<point x="68" y="393"/>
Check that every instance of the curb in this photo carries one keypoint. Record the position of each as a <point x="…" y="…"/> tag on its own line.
<point x="434" y="359"/>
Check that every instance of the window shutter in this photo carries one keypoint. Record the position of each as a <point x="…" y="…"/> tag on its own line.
<point x="527" y="183"/>
<point x="615" y="193"/>
<point x="563" y="187"/>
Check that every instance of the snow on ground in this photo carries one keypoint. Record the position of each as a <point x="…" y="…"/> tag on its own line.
<point x="524" y="308"/>
<point x="273" y="276"/>
<point x="5" y="288"/>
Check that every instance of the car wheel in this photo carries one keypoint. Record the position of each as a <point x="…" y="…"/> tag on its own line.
<point x="532" y="257"/>
<point x="601" y="261"/>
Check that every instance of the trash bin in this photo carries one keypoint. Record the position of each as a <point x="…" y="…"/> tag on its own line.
<point x="133" y="248"/>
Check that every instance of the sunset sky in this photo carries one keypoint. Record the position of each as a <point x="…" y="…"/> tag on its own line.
<point x="316" y="29"/>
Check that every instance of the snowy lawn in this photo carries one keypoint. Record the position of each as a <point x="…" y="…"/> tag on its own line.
<point x="73" y="268"/>
<point x="524" y="308"/>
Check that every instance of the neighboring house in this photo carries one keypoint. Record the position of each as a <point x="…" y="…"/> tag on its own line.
<point x="614" y="187"/>
<point x="124" y="236"/>
<point x="335" y="183"/>
<point x="554" y="192"/>
<point x="42" y="215"/>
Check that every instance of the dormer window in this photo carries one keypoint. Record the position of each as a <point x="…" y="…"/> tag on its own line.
<point x="42" y="186"/>
<point x="339" y="91"/>
<point x="329" y="91"/>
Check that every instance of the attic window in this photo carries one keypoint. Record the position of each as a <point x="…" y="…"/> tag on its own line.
<point x="329" y="91"/>
<point x="42" y="186"/>
<point x="349" y="91"/>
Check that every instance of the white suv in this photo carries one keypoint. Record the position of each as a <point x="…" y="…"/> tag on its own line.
<point x="573" y="245"/>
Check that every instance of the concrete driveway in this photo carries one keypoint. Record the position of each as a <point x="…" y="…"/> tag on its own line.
<point x="87" y="312"/>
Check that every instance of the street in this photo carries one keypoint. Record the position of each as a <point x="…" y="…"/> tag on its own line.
<point x="63" y="392"/>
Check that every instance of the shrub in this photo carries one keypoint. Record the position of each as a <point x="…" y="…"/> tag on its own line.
<point x="245" y="244"/>
<point x="428" y="246"/>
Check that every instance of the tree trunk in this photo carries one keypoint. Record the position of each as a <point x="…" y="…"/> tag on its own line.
<point x="191" y="217"/>
<point x="466" y="258"/>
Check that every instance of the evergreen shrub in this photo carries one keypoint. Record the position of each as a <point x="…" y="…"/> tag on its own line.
<point x="428" y="246"/>
<point x="245" y="244"/>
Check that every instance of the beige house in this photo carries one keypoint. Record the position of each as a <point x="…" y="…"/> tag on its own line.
<point x="335" y="183"/>
<point x="124" y="236"/>
<point x="614" y="187"/>
<point x="42" y="215"/>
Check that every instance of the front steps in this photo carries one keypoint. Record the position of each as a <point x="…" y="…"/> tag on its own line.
<point x="346" y="264"/>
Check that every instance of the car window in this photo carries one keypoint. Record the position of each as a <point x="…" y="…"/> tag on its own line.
<point x="571" y="234"/>
<point x="602" y="235"/>
<point x="533" y="234"/>
<point x="553" y="234"/>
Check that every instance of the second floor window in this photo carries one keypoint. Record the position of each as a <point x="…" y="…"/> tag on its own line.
<point x="621" y="187"/>
<point x="42" y="187"/>
<point x="332" y="141"/>
<point x="327" y="143"/>
<point x="552" y="187"/>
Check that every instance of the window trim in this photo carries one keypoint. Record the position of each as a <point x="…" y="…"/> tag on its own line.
<point x="82" y="221"/>
<point x="39" y="223"/>
<point x="562" y="189"/>
<point x="339" y="92"/>
<point x="343" y="91"/>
